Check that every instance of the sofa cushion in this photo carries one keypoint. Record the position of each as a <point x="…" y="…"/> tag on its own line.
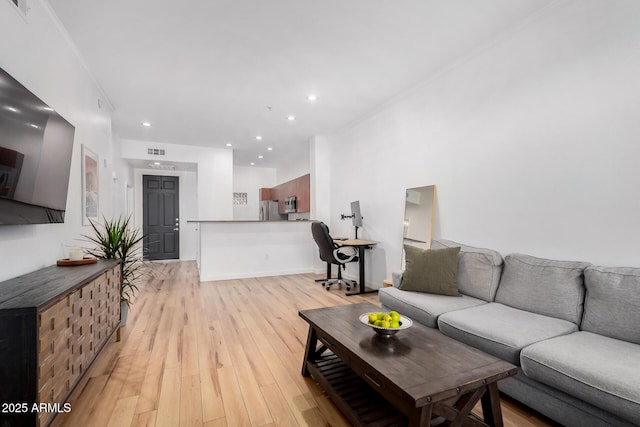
<point x="421" y="307"/>
<point x="599" y="370"/>
<point x="612" y="305"/>
<point x="396" y="278"/>
<point x="478" y="269"/>
<point x="431" y="270"/>
<point x="543" y="286"/>
<point x="501" y="330"/>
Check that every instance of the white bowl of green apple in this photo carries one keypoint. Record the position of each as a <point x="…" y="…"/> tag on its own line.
<point x="386" y="323"/>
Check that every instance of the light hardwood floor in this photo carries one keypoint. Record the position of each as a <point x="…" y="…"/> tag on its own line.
<point x="224" y="353"/>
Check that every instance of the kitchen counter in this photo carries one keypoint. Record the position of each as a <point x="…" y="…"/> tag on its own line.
<point x="236" y="249"/>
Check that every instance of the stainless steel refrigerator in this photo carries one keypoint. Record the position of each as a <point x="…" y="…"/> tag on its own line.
<point x="269" y="211"/>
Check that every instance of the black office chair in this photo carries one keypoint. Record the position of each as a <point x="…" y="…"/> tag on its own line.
<point x="332" y="254"/>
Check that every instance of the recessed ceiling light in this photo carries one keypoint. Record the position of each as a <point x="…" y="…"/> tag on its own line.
<point x="291" y="118"/>
<point x="146" y="124"/>
<point x="260" y="157"/>
<point x="269" y="148"/>
<point x="259" y="137"/>
<point x="47" y="108"/>
<point x="252" y="164"/>
<point x="15" y="110"/>
<point x="156" y="163"/>
<point x="34" y="126"/>
<point x="311" y="97"/>
<point x="228" y="144"/>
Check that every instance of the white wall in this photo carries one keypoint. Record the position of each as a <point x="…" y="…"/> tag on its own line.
<point x="249" y="179"/>
<point x="320" y="156"/>
<point x="293" y="162"/>
<point x="532" y="142"/>
<point x="123" y="181"/>
<point x="37" y="53"/>
<point x="214" y="173"/>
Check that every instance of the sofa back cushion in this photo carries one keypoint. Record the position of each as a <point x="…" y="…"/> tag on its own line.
<point x="478" y="269"/>
<point x="612" y="305"/>
<point x="549" y="287"/>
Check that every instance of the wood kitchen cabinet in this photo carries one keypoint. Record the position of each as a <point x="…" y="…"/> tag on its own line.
<point x="302" y="190"/>
<point x="265" y="194"/>
<point x="299" y="187"/>
<point x="53" y="324"/>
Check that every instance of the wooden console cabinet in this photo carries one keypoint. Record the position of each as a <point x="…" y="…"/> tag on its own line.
<point x="53" y="323"/>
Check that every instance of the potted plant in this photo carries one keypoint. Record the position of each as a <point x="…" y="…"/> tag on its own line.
<point x="118" y="239"/>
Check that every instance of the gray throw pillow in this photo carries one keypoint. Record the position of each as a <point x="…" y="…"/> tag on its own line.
<point x="432" y="271"/>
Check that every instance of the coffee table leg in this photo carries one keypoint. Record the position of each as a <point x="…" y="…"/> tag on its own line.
<point x="310" y="350"/>
<point x="491" y="406"/>
<point x="421" y="416"/>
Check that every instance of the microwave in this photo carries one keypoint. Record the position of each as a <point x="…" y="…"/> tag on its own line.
<point x="290" y="204"/>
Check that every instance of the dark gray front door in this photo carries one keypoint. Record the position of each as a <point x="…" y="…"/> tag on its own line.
<point x="161" y="217"/>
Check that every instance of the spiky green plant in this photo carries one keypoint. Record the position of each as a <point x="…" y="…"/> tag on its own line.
<point x="117" y="239"/>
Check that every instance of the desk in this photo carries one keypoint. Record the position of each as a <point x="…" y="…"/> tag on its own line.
<point x="360" y="245"/>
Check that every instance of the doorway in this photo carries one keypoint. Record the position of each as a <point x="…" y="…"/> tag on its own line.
<point x="161" y="217"/>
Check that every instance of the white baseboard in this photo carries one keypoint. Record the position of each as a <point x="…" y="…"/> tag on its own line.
<point x="211" y="278"/>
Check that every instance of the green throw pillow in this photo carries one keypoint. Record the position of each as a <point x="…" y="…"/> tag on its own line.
<point x="433" y="271"/>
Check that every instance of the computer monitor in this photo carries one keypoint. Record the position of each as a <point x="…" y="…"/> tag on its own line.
<point x="356" y="216"/>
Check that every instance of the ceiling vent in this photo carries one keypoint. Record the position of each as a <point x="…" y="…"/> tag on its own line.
<point x="155" y="151"/>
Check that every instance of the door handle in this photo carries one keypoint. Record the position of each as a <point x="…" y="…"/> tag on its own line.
<point x="176" y="229"/>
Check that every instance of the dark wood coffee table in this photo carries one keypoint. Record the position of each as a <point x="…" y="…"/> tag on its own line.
<point x="417" y="377"/>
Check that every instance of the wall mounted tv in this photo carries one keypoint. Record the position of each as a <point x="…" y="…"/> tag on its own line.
<point x="36" y="144"/>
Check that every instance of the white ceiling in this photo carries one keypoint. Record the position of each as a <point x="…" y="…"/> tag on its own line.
<point x="211" y="72"/>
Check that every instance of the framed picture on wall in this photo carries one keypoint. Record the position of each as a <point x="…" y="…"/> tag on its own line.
<point x="90" y="187"/>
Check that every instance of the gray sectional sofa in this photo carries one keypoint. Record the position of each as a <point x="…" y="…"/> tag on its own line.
<point x="572" y="328"/>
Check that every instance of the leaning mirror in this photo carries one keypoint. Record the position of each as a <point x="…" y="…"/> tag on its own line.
<point x="418" y="216"/>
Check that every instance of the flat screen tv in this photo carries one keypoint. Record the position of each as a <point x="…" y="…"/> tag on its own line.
<point x="36" y="144"/>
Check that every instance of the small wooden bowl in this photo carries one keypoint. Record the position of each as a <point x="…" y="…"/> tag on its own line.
<point x="69" y="263"/>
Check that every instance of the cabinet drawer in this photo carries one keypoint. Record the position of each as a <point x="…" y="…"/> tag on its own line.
<point x="376" y="381"/>
<point x="52" y="322"/>
<point x="54" y="333"/>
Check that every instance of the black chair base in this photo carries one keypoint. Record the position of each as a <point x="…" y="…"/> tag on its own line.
<point x="348" y="283"/>
<point x="338" y="281"/>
